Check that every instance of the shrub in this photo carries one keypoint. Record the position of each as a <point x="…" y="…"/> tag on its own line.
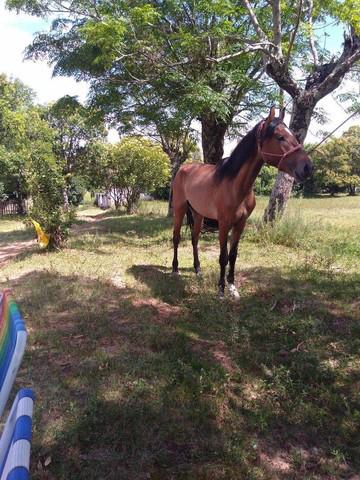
<point x="46" y="186"/>
<point x="291" y="231"/>
<point x="136" y="165"/>
<point x="265" y="180"/>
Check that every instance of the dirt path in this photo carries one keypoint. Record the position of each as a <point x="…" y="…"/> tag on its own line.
<point x="13" y="249"/>
<point x="90" y="223"/>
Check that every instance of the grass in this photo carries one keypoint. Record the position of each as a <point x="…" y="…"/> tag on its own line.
<point x="13" y="229"/>
<point x="140" y="375"/>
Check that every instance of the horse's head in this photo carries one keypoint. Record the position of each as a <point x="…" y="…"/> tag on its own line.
<point x="279" y="147"/>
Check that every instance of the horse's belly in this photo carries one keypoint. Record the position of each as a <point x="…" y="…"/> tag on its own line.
<point x="205" y="207"/>
<point x="200" y="190"/>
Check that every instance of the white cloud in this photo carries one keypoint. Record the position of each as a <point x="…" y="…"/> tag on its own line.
<point x="15" y="34"/>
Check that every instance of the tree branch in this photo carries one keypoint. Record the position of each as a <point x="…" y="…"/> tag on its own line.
<point x="277" y="24"/>
<point x="279" y="72"/>
<point x="293" y="35"/>
<point x="255" y="22"/>
<point x="333" y="80"/>
<point x="310" y="4"/>
<point x="256" y="47"/>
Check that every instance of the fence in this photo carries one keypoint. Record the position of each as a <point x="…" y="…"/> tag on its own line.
<point x="10" y="207"/>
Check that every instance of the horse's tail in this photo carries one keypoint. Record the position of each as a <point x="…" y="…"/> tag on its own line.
<point x="189" y="217"/>
<point x="171" y="196"/>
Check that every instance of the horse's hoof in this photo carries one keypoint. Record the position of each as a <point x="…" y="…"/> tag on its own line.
<point x="233" y="291"/>
<point x="175" y="274"/>
<point x="199" y="274"/>
<point x="221" y="294"/>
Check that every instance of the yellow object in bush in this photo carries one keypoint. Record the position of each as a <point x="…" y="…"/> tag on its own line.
<point x="43" y="238"/>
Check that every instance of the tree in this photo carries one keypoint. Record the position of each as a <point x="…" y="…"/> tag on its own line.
<point x="162" y="51"/>
<point x="338" y="164"/>
<point x="16" y="112"/>
<point x="134" y="166"/>
<point x="178" y="141"/>
<point x="352" y="137"/>
<point x="284" y="34"/>
<point x="76" y="128"/>
<point x="169" y="127"/>
<point x="27" y="163"/>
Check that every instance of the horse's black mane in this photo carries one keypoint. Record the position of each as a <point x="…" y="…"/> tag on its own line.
<point x="245" y="149"/>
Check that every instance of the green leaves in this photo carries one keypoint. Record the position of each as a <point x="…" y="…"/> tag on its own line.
<point x="348" y="11"/>
<point x="338" y="163"/>
<point x="144" y="15"/>
<point x="133" y="54"/>
<point x="135" y="165"/>
<point x="107" y="35"/>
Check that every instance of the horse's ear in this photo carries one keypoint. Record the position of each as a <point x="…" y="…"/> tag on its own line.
<point x="271" y="116"/>
<point x="282" y="113"/>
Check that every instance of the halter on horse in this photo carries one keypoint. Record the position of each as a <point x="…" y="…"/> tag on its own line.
<point x="223" y="192"/>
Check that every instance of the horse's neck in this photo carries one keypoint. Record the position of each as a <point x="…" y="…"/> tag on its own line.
<point x="245" y="179"/>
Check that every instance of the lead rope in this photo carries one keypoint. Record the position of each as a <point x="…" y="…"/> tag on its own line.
<point x="311" y="149"/>
<point x="331" y="133"/>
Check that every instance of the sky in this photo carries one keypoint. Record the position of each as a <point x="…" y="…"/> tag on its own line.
<point x="17" y="31"/>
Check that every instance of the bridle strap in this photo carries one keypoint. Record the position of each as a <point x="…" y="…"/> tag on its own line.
<point x="276" y="155"/>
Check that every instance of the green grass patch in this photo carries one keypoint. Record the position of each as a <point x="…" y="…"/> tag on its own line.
<point x="142" y="375"/>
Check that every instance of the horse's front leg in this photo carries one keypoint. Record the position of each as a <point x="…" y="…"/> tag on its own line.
<point x="223" y="259"/>
<point x="234" y="242"/>
<point x="195" y="233"/>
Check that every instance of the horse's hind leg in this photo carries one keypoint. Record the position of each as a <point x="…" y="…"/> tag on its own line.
<point x="223" y="259"/>
<point x="179" y="213"/>
<point x="235" y="237"/>
<point x="195" y="233"/>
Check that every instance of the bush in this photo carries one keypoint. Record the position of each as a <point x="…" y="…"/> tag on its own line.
<point x="136" y="165"/>
<point x="162" y="193"/>
<point x="265" y="180"/>
<point x="76" y="190"/>
<point x="46" y="186"/>
<point x="290" y="231"/>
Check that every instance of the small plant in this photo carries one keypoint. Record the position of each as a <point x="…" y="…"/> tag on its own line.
<point x="290" y="231"/>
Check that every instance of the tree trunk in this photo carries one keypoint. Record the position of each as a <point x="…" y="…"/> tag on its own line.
<point x="175" y="165"/>
<point x="132" y="201"/>
<point x="303" y="108"/>
<point x="212" y="137"/>
<point x="65" y="199"/>
<point x="352" y="190"/>
<point x="19" y="198"/>
<point x="20" y="204"/>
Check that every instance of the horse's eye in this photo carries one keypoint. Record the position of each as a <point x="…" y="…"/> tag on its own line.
<point x="281" y="139"/>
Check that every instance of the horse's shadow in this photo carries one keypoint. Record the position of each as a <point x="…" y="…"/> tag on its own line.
<point x="162" y="282"/>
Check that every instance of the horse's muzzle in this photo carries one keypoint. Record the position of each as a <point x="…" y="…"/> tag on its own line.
<point x="304" y="170"/>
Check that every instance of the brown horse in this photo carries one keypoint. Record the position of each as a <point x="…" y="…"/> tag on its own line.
<point x="223" y="192"/>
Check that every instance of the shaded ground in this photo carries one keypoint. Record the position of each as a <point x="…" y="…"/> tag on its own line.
<point x="15" y="239"/>
<point x="14" y="249"/>
<point x="142" y="375"/>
